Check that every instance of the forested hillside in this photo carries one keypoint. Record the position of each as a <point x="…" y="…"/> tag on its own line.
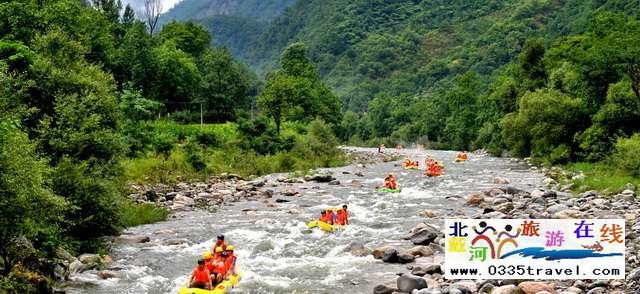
<point x="235" y="24"/>
<point x="405" y="47"/>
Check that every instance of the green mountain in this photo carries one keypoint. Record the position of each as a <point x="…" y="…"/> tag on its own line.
<point x="235" y="24"/>
<point x="405" y="47"/>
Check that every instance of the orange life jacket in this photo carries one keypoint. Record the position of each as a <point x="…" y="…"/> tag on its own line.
<point x="342" y="217"/>
<point x="201" y="276"/>
<point x="218" y="265"/>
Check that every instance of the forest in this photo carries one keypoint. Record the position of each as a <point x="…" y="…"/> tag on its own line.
<point x="92" y="98"/>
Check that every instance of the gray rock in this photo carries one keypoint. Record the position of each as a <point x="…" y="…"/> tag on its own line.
<point x="486" y="288"/>
<point x="76" y="267"/>
<point x="282" y="200"/>
<point x="323" y="177"/>
<point x="171" y="195"/>
<point x="433" y="268"/>
<point x="173" y="242"/>
<point x="634" y="275"/>
<point x="405" y="258"/>
<point x="599" y="283"/>
<point x="424" y="236"/>
<point x="557" y="208"/>
<point x="598" y="290"/>
<point x="334" y="182"/>
<point x="183" y="200"/>
<point x="421" y="250"/>
<point x="418" y="271"/>
<point x="494" y="214"/>
<point x="507" y="289"/>
<point x="466" y="286"/>
<point x="407" y="283"/>
<point x="550" y="194"/>
<point x="390" y="255"/>
<point x="382" y="289"/>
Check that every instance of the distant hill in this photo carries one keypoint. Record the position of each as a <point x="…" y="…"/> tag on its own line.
<point x="235" y="24"/>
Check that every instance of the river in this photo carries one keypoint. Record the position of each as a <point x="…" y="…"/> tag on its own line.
<point x="278" y="255"/>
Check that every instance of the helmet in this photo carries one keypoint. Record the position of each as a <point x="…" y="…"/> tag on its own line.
<point x="230" y="248"/>
<point x="207" y="255"/>
<point x="329" y="209"/>
<point x="219" y="249"/>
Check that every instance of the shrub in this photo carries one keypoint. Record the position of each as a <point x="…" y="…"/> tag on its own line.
<point x="163" y="143"/>
<point x="207" y="139"/>
<point x="133" y="214"/>
<point x="626" y="156"/>
<point x="195" y="157"/>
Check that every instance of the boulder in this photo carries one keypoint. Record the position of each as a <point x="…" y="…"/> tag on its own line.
<point x="282" y="200"/>
<point x="407" y="283"/>
<point x="569" y="213"/>
<point x="535" y="287"/>
<point x="77" y="267"/>
<point x="405" y="258"/>
<point x="173" y="242"/>
<point x="475" y="199"/>
<point x="390" y="255"/>
<point x="425" y="236"/>
<point x="357" y="249"/>
<point x="183" y="200"/>
<point x="382" y="289"/>
<point x="132" y="239"/>
<point x="322" y="177"/>
<point x="428" y="213"/>
<point x="466" y="286"/>
<point x="379" y="252"/>
<point x="420" y="250"/>
<point x="556" y="208"/>
<point x="290" y="192"/>
<point x="433" y="268"/>
<point x="334" y="182"/>
<point x="507" y="289"/>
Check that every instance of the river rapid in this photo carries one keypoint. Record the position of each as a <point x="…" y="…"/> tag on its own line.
<point x="276" y="252"/>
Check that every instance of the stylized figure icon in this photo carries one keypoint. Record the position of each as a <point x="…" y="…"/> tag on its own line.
<point x="481" y="236"/>
<point x="510" y="238"/>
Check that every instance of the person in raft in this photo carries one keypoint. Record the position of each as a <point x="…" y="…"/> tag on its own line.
<point x="219" y="243"/>
<point x="342" y="217"/>
<point x="390" y="182"/>
<point x="200" y="277"/>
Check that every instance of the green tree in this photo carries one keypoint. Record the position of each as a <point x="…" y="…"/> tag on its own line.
<point x="277" y="98"/>
<point x="224" y="85"/>
<point x="545" y="124"/>
<point x="189" y="37"/>
<point x="28" y="208"/>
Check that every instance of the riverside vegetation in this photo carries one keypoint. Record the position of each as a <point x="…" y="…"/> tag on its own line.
<point x="81" y="88"/>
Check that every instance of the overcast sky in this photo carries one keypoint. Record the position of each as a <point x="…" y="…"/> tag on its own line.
<point x="138" y="5"/>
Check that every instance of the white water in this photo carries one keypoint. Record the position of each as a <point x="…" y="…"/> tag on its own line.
<point x="276" y="252"/>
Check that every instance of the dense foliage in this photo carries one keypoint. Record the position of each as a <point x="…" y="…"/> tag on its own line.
<point x="80" y="87"/>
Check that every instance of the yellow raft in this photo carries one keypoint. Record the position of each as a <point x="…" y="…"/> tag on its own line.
<point x="323" y="226"/>
<point x="222" y="288"/>
<point x="412" y="167"/>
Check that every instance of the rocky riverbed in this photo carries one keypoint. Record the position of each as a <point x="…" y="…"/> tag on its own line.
<point x="394" y="242"/>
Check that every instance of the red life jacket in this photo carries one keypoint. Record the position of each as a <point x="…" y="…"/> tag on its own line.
<point x="201" y="276"/>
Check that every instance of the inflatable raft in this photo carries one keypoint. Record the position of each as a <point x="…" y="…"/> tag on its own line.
<point x="413" y="167"/>
<point x="323" y="226"/>
<point x="430" y="174"/>
<point x="387" y="190"/>
<point x="222" y="288"/>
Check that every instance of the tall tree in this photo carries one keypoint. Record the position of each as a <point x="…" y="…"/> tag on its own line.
<point x="152" y="11"/>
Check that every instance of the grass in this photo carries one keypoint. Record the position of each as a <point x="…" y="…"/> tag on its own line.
<point x="134" y="214"/>
<point x="601" y="176"/>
